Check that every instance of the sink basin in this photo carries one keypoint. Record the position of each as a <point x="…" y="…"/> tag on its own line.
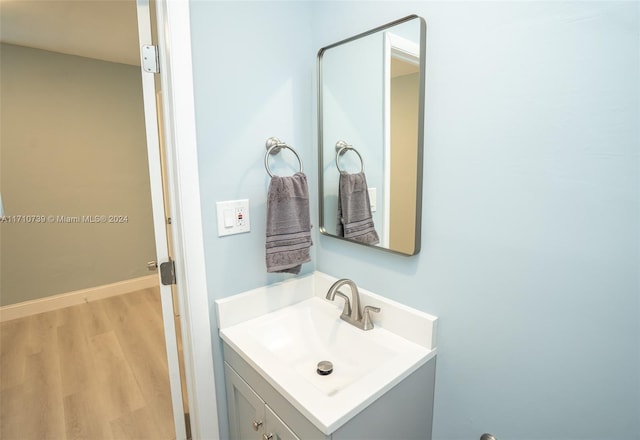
<point x="284" y="331"/>
<point x="304" y="334"/>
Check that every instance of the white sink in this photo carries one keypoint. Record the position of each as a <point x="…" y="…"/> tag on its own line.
<point x="285" y="342"/>
<point x="306" y="333"/>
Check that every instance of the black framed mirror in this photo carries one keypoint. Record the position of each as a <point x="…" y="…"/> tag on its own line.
<point x="371" y="90"/>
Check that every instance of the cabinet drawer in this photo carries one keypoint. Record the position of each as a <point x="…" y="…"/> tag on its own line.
<point x="276" y="429"/>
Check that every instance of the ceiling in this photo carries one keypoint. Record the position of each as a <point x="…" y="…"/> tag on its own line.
<point x="101" y="29"/>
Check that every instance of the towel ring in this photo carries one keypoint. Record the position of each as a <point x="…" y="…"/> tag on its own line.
<point x="341" y="148"/>
<point x="274" y="145"/>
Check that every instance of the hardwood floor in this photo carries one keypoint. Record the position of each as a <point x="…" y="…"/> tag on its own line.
<point x="92" y="371"/>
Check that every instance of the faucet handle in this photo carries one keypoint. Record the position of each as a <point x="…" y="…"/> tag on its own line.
<point x="366" y="316"/>
<point x="347" y="304"/>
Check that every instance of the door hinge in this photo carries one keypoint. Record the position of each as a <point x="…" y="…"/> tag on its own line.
<point x="150" y="62"/>
<point x="168" y="273"/>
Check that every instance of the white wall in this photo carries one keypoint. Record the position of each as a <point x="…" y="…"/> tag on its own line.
<point x="72" y="144"/>
<point x="530" y="211"/>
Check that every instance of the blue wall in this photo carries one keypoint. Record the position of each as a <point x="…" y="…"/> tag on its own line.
<point x="530" y="251"/>
<point x="253" y="67"/>
<point x="253" y="80"/>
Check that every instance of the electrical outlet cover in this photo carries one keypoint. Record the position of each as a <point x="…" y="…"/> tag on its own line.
<point x="240" y="223"/>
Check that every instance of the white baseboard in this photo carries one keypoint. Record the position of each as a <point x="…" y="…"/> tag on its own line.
<point x="54" y="302"/>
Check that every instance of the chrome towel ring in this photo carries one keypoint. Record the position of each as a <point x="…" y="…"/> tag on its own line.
<point x="341" y="148"/>
<point x="274" y="145"/>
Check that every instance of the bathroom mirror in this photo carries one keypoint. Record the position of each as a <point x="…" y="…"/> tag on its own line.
<point x="371" y="120"/>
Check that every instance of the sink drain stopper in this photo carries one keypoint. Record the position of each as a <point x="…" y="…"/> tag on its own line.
<point x="324" y="368"/>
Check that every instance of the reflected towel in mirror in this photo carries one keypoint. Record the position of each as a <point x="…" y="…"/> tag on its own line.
<point x="288" y="224"/>
<point x="354" y="209"/>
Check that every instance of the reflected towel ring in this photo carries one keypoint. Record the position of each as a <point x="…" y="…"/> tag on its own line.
<point x="274" y="145"/>
<point x="343" y="147"/>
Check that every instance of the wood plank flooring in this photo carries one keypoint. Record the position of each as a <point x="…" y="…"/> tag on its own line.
<point x="92" y="371"/>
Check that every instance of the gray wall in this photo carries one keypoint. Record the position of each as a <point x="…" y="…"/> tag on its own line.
<point x="73" y="144"/>
<point x="530" y="211"/>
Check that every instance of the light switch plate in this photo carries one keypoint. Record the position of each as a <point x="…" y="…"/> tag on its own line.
<point x="373" y="199"/>
<point x="233" y="217"/>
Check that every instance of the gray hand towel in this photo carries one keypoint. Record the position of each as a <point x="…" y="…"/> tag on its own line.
<point x="288" y="224"/>
<point x="354" y="209"/>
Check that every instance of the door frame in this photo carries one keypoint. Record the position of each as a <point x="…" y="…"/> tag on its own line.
<point x="176" y="77"/>
<point x="398" y="47"/>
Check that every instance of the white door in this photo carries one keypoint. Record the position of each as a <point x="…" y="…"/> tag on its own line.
<point x="159" y="218"/>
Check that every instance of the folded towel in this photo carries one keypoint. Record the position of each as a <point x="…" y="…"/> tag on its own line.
<point x="288" y="224"/>
<point x="354" y="209"/>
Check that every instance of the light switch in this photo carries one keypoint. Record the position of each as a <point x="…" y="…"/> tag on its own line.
<point x="233" y="217"/>
<point x="373" y="199"/>
<point x="228" y="217"/>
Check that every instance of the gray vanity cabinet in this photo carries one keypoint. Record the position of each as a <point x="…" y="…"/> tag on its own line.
<point x="276" y="428"/>
<point x="257" y="410"/>
<point x="249" y="416"/>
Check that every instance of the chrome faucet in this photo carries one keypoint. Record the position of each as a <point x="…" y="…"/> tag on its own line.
<point x="352" y="313"/>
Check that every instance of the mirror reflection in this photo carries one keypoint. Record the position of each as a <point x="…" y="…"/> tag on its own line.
<point x="370" y="129"/>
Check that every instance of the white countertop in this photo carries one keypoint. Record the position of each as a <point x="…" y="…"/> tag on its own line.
<point x="283" y="330"/>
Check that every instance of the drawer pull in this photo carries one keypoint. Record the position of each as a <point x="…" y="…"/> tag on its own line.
<point x="257" y="424"/>
<point x="267" y="436"/>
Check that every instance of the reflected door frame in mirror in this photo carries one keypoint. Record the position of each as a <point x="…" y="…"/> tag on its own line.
<point x="392" y="46"/>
